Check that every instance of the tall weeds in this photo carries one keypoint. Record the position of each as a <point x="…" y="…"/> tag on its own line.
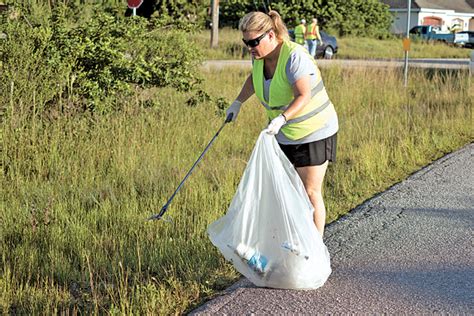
<point x="76" y="190"/>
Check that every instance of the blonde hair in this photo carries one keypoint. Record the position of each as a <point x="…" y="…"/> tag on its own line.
<point x="261" y="22"/>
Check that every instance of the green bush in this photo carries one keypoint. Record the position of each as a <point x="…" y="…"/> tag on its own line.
<point x="80" y="64"/>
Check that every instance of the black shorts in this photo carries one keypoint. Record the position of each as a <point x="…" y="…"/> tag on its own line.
<point x="312" y="154"/>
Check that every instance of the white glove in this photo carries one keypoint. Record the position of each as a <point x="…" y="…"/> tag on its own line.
<point x="233" y="109"/>
<point x="274" y="127"/>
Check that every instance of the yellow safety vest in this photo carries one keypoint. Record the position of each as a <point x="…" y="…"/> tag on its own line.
<point x="314" y="116"/>
<point x="299" y="34"/>
<point x="311" y="31"/>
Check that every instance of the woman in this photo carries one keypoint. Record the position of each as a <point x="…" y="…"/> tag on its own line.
<point x="313" y="37"/>
<point x="288" y="83"/>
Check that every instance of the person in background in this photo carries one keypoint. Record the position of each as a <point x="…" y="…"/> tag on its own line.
<point x="313" y="38"/>
<point x="288" y="84"/>
<point x="300" y="31"/>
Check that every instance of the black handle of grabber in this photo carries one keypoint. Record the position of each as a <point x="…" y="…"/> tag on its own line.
<point x="165" y="207"/>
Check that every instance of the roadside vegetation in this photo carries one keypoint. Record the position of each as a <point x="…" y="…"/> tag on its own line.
<point x="76" y="190"/>
<point x="391" y="48"/>
<point x="93" y="145"/>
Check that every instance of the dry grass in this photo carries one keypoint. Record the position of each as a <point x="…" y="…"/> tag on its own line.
<point x="76" y="190"/>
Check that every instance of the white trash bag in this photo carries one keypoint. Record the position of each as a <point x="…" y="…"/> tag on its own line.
<point x="268" y="232"/>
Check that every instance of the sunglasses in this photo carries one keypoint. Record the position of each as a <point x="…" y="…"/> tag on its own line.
<point x="256" y="41"/>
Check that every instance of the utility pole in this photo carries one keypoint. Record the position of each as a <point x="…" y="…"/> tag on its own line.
<point x="215" y="23"/>
<point x="407" y="43"/>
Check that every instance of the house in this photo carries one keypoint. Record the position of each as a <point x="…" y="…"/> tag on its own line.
<point x="448" y="15"/>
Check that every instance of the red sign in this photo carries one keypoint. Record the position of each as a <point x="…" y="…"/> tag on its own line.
<point x="134" y="4"/>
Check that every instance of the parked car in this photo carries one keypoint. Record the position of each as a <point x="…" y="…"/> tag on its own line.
<point x="327" y="50"/>
<point x="470" y="40"/>
<point x="431" y="33"/>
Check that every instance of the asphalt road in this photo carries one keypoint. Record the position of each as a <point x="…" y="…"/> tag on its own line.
<point x="408" y="250"/>
<point x="345" y="63"/>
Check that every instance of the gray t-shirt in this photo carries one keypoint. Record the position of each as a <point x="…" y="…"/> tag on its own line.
<point x="300" y="64"/>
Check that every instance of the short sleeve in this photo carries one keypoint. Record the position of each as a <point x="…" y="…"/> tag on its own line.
<point x="300" y="64"/>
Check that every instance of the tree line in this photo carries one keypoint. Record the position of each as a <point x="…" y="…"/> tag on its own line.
<point x="343" y="17"/>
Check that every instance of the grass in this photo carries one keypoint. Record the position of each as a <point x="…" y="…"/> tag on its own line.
<point x="230" y="44"/>
<point x="231" y="47"/>
<point x="76" y="190"/>
<point x="369" y="48"/>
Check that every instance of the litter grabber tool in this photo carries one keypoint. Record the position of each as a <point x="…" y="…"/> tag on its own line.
<point x="165" y="207"/>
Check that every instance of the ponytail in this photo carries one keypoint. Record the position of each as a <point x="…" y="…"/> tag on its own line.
<point x="262" y="22"/>
<point x="279" y="26"/>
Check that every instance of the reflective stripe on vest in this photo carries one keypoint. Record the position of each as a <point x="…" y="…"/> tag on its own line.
<point x="319" y="87"/>
<point x="315" y="115"/>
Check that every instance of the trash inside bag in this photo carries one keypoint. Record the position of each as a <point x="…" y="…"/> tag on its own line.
<point x="268" y="231"/>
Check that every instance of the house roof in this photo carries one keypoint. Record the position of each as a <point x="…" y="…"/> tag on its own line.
<point x="460" y="6"/>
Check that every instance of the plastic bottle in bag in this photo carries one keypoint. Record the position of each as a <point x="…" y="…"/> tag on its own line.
<point x="294" y="248"/>
<point x="254" y="259"/>
<point x="291" y="247"/>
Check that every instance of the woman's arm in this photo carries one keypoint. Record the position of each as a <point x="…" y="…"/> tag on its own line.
<point x="245" y="93"/>
<point x="247" y="90"/>
<point x="302" y="94"/>
<point x="318" y="35"/>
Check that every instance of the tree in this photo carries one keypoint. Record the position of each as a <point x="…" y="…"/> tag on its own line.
<point x="355" y="17"/>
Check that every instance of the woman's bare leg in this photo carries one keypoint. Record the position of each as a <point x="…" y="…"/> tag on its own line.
<point x="313" y="178"/>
